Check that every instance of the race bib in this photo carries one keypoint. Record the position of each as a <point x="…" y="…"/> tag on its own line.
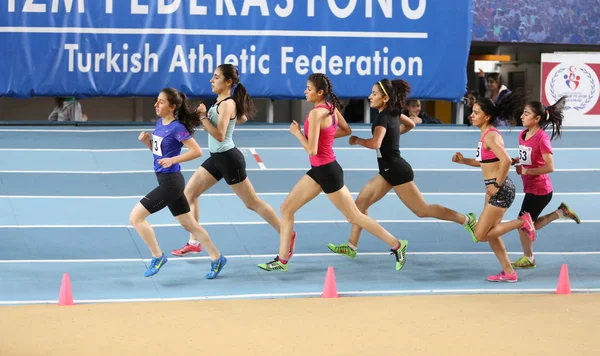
<point x="525" y="155"/>
<point x="379" y="153"/>
<point x="157" y="145"/>
<point x="478" y="153"/>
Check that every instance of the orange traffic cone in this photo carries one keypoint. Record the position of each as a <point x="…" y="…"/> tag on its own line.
<point x="329" y="289"/>
<point x="564" y="286"/>
<point x="65" y="296"/>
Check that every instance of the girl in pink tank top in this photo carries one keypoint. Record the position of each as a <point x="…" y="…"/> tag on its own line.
<point x="536" y="162"/>
<point x="494" y="161"/>
<point x="323" y="124"/>
<point x="325" y="153"/>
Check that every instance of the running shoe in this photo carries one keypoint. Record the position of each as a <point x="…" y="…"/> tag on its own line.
<point x="216" y="267"/>
<point x="343" y="249"/>
<point x="274" y="265"/>
<point x="470" y="227"/>
<point x="568" y="213"/>
<point x="524" y="262"/>
<point x="528" y="226"/>
<point x="187" y="250"/>
<point x="504" y="277"/>
<point x="155" y="265"/>
<point x="400" y="254"/>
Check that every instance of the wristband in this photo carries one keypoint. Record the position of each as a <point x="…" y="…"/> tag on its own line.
<point x="491" y="181"/>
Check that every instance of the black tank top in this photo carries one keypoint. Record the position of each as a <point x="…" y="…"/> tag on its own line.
<point x="390" y="146"/>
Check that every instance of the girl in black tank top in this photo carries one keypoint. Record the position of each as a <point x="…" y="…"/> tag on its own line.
<point x="394" y="172"/>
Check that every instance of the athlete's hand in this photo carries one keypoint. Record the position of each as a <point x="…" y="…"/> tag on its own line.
<point x="353" y="140"/>
<point x="201" y="109"/>
<point x="294" y="128"/>
<point x="165" y="162"/>
<point x="522" y="171"/>
<point x="144" y="136"/>
<point x="491" y="190"/>
<point x="458" y="158"/>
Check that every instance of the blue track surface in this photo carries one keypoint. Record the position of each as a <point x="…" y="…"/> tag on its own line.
<point x="66" y="194"/>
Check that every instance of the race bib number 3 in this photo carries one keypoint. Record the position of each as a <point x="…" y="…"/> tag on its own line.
<point x="525" y="155"/>
<point x="157" y="145"/>
<point x="478" y="153"/>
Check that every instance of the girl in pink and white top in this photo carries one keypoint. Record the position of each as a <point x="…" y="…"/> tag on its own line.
<point x="536" y="161"/>
<point x="323" y="124"/>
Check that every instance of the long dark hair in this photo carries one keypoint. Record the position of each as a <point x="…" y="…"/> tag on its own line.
<point x="183" y="112"/>
<point x="550" y="115"/>
<point x="243" y="103"/>
<point x="397" y="91"/>
<point x="509" y="108"/>
<point x="322" y="82"/>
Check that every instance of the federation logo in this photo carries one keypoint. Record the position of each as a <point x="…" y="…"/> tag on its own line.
<point x="578" y="82"/>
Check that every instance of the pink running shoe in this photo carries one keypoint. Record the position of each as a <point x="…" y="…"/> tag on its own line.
<point x="292" y="245"/>
<point x="186" y="250"/>
<point x="528" y="226"/>
<point x="504" y="277"/>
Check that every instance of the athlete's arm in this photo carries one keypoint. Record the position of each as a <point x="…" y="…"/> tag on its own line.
<point x="458" y="158"/>
<point x="194" y="151"/>
<point x="343" y="129"/>
<point x="314" y="123"/>
<point x="241" y="120"/>
<point x="406" y="124"/>
<point x="226" y="112"/>
<point x="373" y="142"/>
<point x="548" y="167"/>
<point x="144" y="137"/>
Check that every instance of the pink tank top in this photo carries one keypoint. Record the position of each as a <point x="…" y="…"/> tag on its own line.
<point x="325" y="153"/>
<point x="484" y="155"/>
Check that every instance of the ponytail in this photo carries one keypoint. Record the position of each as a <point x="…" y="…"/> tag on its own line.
<point x="187" y="116"/>
<point x="243" y="104"/>
<point x="509" y="108"/>
<point x="550" y="115"/>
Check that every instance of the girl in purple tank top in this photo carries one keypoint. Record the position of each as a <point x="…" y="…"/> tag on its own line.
<point x="536" y="161"/>
<point x="323" y="124"/>
<point x="494" y="161"/>
<point x="174" y="129"/>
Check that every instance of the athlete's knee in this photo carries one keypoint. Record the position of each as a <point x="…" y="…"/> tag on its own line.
<point x="286" y="210"/>
<point x="190" y="224"/>
<point x="253" y="203"/>
<point x="481" y="235"/>
<point x="362" y="204"/>
<point x="422" y="211"/>
<point x="135" y="219"/>
<point x="354" y="216"/>
<point x="191" y="194"/>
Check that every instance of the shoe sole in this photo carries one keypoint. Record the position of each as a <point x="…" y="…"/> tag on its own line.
<point x="185" y="254"/>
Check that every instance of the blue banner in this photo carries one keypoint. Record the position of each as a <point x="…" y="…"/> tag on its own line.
<point x="89" y="48"/>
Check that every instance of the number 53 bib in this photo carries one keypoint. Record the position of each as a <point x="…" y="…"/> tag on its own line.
<point x="525" y="155"/>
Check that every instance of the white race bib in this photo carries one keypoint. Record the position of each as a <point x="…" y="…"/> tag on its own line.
<point x="157" y="145"/>
<point x="478" y="153"/>
<point x="525" y="155"/>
